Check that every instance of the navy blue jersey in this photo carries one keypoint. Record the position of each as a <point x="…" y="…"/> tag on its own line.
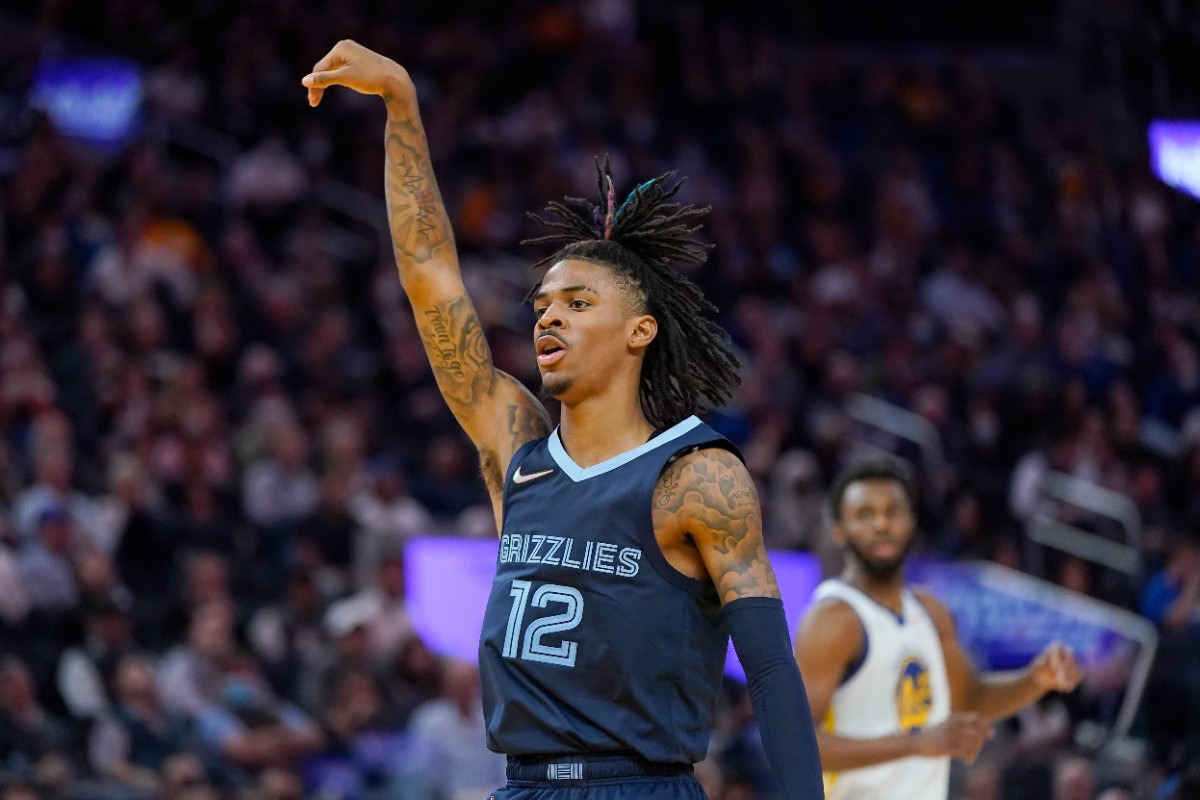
<point x="591" y="641"/>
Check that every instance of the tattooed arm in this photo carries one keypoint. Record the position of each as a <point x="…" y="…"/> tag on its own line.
<point x="706" y="498"/>
<point x="495" y="410"/>
<point x="705" y="503"/>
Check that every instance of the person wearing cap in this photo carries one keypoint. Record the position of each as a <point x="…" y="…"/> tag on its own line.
<point x="47" y="564"/>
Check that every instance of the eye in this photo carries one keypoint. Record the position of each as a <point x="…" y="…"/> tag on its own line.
<point x="578" y="304"/>
<point x="539" y="311"/>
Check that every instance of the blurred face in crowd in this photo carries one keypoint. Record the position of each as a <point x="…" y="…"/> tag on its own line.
<point x="1074" y="779"/>
<point x="135" y="682"/>
<point x="280" y="784"/>
<point x="55" y="532"/>
<point x="391" y="577"/>
<point x="207" y="578"/>
<point x="16" y="690"/>
<point x="875" y="527"/>
<point x="211" y="633"/>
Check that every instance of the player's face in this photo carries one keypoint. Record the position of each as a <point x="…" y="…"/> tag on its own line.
<point x="585" y="332"/>
<point x="875" y="527"/>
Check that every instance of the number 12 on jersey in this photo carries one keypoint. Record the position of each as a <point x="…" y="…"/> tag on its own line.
<point x="530" y="645"/>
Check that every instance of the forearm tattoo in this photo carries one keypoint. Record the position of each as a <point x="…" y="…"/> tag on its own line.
<point x="416" y="215"/>
<point x="458" y="352"/>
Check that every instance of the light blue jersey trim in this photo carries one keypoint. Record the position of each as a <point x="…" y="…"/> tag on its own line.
<point x="578" y="473"/>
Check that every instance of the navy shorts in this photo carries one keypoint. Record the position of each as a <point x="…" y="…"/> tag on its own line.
<point x="597" y="778"/>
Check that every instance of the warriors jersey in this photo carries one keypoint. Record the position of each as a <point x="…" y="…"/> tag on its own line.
<point x="592" y="642"/>
<point x="898" y="686"/>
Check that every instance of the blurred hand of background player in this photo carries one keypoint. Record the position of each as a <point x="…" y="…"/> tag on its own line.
<point x="351" y="65"/>
<point x="961" y="736"/>
<point x="1055" y="669"/>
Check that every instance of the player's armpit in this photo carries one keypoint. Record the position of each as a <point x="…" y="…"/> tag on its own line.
<point x="712" y="495"/>
<point x="524" y="419"/>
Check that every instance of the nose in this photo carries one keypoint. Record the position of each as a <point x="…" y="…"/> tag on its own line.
<point x="552" y="317"/>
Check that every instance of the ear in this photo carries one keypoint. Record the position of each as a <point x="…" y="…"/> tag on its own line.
<point x="642" y="331"/>
<point x="838" y="534"/>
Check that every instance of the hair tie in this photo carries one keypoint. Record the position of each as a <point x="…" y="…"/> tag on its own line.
<point x="610" y="215"/>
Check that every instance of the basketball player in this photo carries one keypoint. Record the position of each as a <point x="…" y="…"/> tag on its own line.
<point x="893" y="692"/>
<point x="631" y="543"/>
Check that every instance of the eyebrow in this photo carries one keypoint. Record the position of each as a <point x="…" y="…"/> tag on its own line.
<point x="579" y="287"/>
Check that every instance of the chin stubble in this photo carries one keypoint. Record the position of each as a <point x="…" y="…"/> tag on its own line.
<point x="550" y="391"/>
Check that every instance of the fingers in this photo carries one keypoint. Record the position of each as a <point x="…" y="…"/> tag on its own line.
<point x="1067" y="671"/>
<point x="317" y="81"/>
<point x="970" y="733"/>
<point x="319" y="78"/>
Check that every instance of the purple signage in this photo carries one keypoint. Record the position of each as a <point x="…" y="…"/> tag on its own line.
<point x="1004" y="617"/>
<point x="1175" y="153"/>
<point x="98" y="99"/>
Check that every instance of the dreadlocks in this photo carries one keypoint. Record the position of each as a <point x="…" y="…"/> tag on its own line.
<point x="690" y="358"/>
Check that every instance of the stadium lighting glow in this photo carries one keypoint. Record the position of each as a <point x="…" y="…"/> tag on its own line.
<point x="1175" y="153"/>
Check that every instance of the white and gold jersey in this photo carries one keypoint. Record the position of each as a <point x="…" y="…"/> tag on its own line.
<point x="898" y="686"/>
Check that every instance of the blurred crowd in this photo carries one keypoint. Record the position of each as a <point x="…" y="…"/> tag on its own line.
<point x="218" y="428"/>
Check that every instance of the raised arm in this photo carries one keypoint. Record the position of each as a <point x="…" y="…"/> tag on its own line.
<point x="495" y="410"/>
<point x="707" y="498"/>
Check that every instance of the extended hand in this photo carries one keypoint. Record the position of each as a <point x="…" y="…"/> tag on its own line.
<point x="351" y="65"/>
<point x="1055" y="669"/>
<point x="961" y="736"/>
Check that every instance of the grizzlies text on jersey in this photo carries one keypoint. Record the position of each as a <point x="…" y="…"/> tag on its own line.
<point x="578" y="572"/>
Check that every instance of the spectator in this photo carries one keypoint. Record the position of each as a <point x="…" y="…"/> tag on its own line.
<point x="1171" y="599"/>
<point x="383" y="608"/>
<point x="279" y="784"/>
<point x="189" y="678"/>
<point x="280" y="489"/>
<point x="248" y="726"/>
<point x="20" y="791"/>
<point x="47" y="564"/>
<point x="179" y="774"/>
<point x="1074" y="779"/>
<point x="415" y="678"/>
<point x="451" y="758"/>
<point x="53" y="493"/>
<point x="86" y="672"/>
<point x="133" y="743"/>
<point x="28" y="733"/>
<point x="287" y="636"/>
<point x="368" y="746"/>
<point x="387" y="515"/>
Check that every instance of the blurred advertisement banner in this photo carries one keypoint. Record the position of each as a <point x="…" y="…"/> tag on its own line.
<point x="95" y="99"/>
<point x="1175" y="153"/>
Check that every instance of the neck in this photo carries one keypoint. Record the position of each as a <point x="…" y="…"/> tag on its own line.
<point x="596" y="429"/>
<point x="886" y="593"/>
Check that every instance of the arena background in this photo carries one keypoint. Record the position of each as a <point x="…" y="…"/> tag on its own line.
<point x="962" y="233"/>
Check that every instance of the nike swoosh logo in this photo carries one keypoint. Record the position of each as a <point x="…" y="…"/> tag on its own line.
<point x="533" y="476"/>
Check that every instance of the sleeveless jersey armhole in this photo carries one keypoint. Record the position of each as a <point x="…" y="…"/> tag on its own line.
<point x="654" y="552"/>
<point x="513" y="465"/>
<point x="857" y="664"/>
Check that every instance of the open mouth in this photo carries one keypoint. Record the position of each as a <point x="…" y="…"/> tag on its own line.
<point x="550" y="349"/>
